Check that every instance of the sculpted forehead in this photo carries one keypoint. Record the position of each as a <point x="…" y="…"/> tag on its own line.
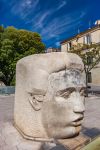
<point x="36" y="69"/>
<point x="65" y="79"/>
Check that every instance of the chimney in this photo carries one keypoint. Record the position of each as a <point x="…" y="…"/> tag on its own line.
<point x="97" y="22"/>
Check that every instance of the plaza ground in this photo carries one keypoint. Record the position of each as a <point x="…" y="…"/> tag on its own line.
<point x="11" y="140"/>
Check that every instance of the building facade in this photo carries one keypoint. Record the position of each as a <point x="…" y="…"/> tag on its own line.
<point x="90" y="36"/>
<point x="49" y="50"/>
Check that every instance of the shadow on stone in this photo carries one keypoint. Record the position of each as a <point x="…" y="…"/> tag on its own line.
<point x="91" y="132"/>
<point x="58" y="147"/>
<point x="52" y="146"/>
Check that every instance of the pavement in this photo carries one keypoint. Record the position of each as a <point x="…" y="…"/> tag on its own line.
<point x="10" y="139"/>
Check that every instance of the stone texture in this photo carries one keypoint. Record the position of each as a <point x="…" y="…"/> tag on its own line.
<point x="48" y="86"/>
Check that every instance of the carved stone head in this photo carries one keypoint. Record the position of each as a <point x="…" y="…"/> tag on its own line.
<point x="49" y="98"/>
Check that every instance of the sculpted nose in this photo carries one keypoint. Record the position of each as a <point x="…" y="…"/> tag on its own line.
<point x="79" y="106"/>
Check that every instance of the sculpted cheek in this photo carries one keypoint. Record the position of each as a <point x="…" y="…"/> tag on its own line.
<point x="55" y="114"/>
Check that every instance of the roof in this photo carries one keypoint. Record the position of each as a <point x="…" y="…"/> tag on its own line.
<point x="52" y="49"/>
<point x="80" y="34"/>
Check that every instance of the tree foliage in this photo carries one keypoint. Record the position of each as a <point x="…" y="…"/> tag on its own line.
<point x="90" y="55"/>
<point x="14" y="45"/>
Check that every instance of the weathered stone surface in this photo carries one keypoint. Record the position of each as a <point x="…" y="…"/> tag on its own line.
<point x="49" y="100"/>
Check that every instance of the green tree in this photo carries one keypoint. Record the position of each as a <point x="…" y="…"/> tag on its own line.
<point x="90" y="55"/>
<point x="14" y="45"/>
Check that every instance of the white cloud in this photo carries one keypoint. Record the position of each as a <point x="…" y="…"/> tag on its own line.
<point x="61" y="5"/>
<point x="61" y="25"/>
<point x="28" y="2"/>
<point x="24" y="7"/>
<point x="42" y="16"/>
<point x="26" y="10"/>
<point x="40" y="19"/>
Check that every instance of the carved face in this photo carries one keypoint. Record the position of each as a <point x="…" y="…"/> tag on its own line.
<point x="62" y="111"/>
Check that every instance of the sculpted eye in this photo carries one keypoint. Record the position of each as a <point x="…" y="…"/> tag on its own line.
<point x="66" y="94"/>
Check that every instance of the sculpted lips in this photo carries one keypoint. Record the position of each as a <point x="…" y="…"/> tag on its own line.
<point x="77" y="122"/>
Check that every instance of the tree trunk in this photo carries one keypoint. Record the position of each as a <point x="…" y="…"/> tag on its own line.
<point x="86" y="83"/>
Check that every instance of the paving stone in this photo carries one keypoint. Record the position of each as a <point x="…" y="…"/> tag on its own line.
<point x="8" y="128"/>
<point x="29" y="145"/>
<point x="6" y="147"/>
<point x="2" y="142"/>
<point x="12" y="140"/>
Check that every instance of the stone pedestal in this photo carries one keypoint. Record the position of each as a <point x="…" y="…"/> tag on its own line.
<point x="75" y="143"/>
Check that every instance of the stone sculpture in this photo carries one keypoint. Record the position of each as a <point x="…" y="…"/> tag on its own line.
<point x="49" y="97"/>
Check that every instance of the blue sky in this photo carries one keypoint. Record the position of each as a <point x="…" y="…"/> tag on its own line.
<point x="55" y="20"/>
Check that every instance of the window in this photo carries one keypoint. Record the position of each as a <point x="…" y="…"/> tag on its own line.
<point x="84" y="40"/>
<point x="67" y="46"/>
<point x="87" y="39"/>
<point x="70" y="45"/>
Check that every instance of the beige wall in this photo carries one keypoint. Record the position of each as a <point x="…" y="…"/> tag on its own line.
<point x="64" y="47"/>
<point x="95" y="37"/>
<point x="95" y="72"/>
<point x="96" y="75"/>
<point x="80" y="40"/>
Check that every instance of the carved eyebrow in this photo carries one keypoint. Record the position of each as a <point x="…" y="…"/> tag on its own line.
<point x="65" y="91"/>
<point x="68" y="91"/>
